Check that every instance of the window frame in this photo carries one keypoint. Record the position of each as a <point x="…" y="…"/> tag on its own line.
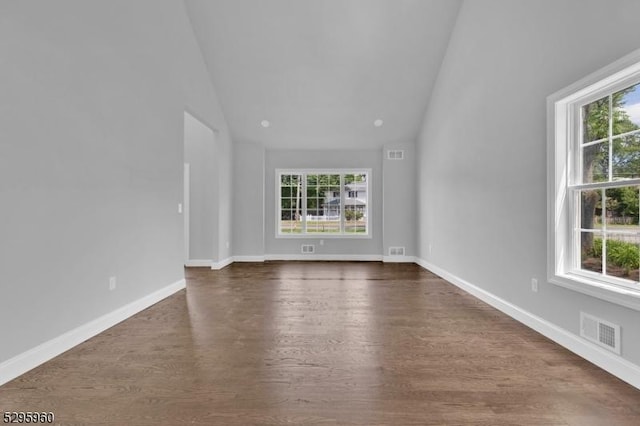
<point x="563" y="146"/>
<point x="303" y="201"/>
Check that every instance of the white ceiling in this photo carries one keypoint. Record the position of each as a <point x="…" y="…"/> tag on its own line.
<point x="321" y="71"/>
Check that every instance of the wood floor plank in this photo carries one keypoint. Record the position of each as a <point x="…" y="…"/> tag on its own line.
<point x="322" y="343"/>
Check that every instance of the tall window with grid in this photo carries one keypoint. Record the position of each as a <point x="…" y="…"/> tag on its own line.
<point x="323" y="202"/>
<point x="607" y="185"/>
<point x="594" y="191"/>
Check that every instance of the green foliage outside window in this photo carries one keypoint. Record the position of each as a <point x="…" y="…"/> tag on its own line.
<point x="619" y="253"/>
<point x="353" y="215"/>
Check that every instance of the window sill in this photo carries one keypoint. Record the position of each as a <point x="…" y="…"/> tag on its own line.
<point x="324" y="236"/>
<point x="623" y="296"/>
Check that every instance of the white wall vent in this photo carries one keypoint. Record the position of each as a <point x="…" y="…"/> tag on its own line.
<point x="395" y="154"/>
<point x="396" y="251"/>
<point x="308" y="248"/>
<point x="600" y="332"/>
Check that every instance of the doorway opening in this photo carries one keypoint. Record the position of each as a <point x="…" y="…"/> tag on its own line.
<point x="199" y="193"/>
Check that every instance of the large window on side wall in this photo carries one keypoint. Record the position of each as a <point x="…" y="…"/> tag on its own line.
<point x="594" y="184"/>
<point x="327" y="203"/>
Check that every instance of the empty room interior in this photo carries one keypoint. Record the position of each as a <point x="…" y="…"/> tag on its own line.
<point x="320" y="212"/>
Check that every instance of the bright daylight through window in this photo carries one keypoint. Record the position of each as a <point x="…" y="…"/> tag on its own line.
<point x="594" y="221"/>
<point x="327" y="203"/>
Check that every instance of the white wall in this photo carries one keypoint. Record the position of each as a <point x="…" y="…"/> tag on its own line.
<point x="248" y="200"/>
<point x="393" y="207"/>
<point x="225" y="195"/>
<point x="482" y="151"/>
<point x="399" y="199"/>
<point x="92" y="96"/>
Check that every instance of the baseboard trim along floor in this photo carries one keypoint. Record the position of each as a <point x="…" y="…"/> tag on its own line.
<point x="46" y="351"/>
<point x="610" y="362"/>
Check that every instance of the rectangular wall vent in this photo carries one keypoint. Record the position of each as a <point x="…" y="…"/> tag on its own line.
<point x="308" y="248"/>
<point x="395" y="154"/>
<point x="600" y="332"/>
<point x="396" y="251"/>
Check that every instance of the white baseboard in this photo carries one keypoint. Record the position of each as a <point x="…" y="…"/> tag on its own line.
<point x="248" y="258"/>
<point x="326" y="257"/>
<point x="219" y="265"/>
<point x="319" y="257"/>
<point x="604" y="359"/>
<point x="399" y="259"/>
<point x="46" y="351"/>
<point x="198" y="263"/>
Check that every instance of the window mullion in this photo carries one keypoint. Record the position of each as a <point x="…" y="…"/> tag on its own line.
<point x="279" y="205"/>
<point x="599" y="185"/>
<point x="603" y="219"/>
<point x="596" y="142"/>
<point x="575" y="201"/>
<point x="303" y="200"/>
<point x="575" y="151"/>
<point x="631" y="133"/>
<point x="610" y="138"/>
<point x="342" y="201"/>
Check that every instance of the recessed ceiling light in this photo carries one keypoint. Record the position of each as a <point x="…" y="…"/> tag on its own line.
<point x="265" y="123"/>
<point x="378" y="123"/>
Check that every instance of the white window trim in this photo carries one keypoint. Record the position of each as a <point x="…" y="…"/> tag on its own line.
<point x="615" y="76"/>
<point x="340" y="171"/>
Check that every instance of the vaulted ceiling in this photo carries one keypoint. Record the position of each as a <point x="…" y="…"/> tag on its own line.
<point x="322" y="71"/>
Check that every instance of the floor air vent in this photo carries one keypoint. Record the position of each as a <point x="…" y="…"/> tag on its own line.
<point x="600" y="332"/>
<point x="308" y="248"/>
<point x="396" y="251"/>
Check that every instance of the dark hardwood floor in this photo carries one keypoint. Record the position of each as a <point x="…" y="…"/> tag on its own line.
<point x="322" y="343"/>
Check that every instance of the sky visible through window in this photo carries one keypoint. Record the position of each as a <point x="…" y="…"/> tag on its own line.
<point x="632" y="105"/>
